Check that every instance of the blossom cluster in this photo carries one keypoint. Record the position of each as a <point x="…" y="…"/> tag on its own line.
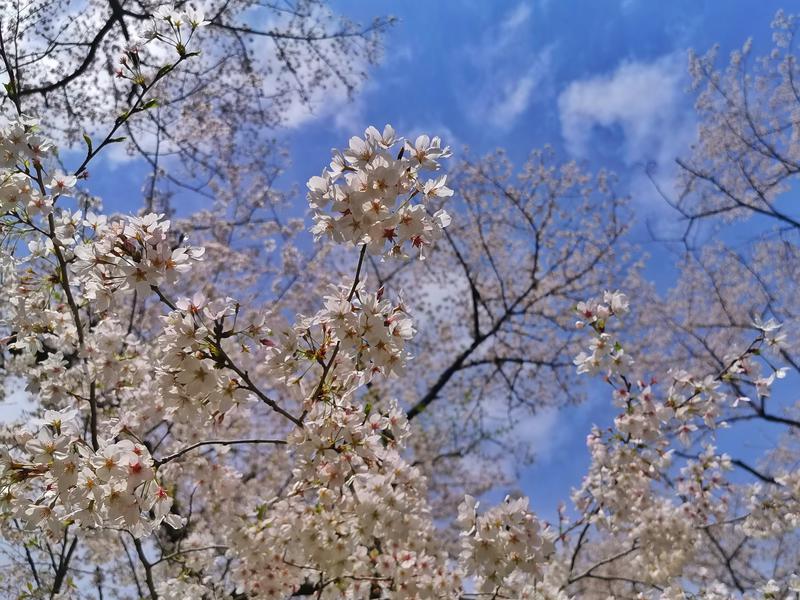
<point x="625" y="491"/>
<point x="505" y="540"/>
<point x="355" y="511"/>
<point x="355" y="520"/>
<point x="130" y="253"/>
<point x="369" y="329"/>
<point x="604" y="354"/>
<point x="770" y="590"/>
<point x="187" y="17"/>
<point x="774" y="509"/>
<point x="366" y="195"/>
<point x="21" y="143"/>
<point x="59" y="477"/>
<point x="690" y="400"/>
<point x="192" y="386"/>
<point x="22" y="151"/>
<point x="360" y="334"/>
<point x="173" y="27"/>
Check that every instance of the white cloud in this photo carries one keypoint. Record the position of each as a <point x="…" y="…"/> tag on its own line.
<point x="542" y="431"/>
<point x="517" y="17"/>
<point x="513" y="98"/>
<point x="321" y="103"/>
<point x="501" y="90"/>
<point x="645" y="103"/>
<point x="627" y="6"/>
<point x="644" y="100"/>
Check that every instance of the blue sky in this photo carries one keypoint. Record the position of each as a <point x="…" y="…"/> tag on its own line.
<point x="601" y="81"/>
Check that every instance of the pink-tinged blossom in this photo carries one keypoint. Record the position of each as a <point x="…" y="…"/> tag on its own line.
<point x="367" y="196"/>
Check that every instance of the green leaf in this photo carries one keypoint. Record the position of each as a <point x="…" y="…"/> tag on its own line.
<point x="88" y="141"/>
<point x="163" y="71"/>
<point x="117" y="140"/>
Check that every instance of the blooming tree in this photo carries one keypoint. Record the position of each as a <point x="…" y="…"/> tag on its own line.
<point x="733" y="290"/>
<point x="191" y="439"/>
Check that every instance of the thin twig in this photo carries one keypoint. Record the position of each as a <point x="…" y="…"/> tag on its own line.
<point x="182" y="451"/>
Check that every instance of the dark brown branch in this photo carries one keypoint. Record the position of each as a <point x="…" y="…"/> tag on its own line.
<point x="93" y="46"/>
<point x="63" y="565"/>
<point x="148" y="569"/>
<point x="182" y="451"/>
